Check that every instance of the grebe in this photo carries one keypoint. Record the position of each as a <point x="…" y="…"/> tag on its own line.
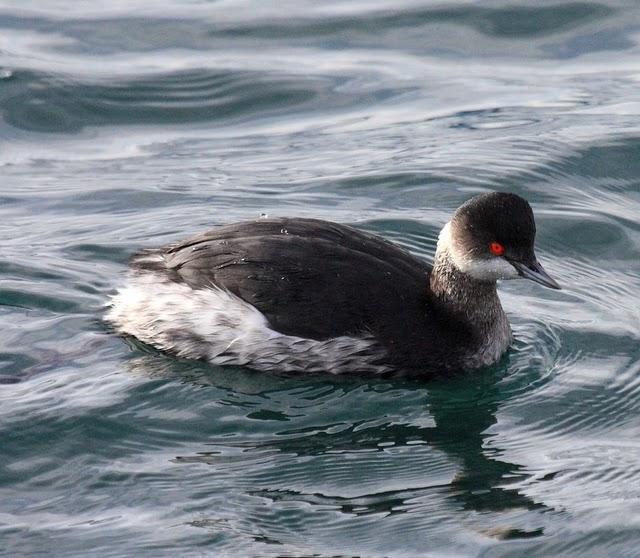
<point x="305" y="295"/>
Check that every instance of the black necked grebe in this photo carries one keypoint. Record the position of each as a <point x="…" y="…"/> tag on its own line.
<point x="304" y="295"/>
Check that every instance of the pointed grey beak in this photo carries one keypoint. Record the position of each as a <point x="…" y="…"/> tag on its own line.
<point x="535" y="272"/>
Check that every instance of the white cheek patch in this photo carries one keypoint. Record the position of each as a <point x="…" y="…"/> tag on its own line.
<point x="490" y="269"/>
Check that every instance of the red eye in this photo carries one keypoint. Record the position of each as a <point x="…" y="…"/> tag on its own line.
<point x="496" y="248"/>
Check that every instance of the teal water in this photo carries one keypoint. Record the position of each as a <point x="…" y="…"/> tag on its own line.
<point x="138" y="123"/>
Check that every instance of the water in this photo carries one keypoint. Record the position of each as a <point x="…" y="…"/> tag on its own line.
<point x="138" y="123"/>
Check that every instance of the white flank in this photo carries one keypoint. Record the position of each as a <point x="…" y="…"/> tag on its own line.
<point x="215" y="325"/>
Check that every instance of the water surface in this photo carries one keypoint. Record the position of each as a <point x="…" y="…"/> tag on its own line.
<point x="138" y="123"/>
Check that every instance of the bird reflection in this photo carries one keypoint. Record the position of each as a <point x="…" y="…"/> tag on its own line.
<point x="463" y="409"/>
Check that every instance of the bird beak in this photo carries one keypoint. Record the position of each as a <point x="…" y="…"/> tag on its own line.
<point x="534" y="271"/>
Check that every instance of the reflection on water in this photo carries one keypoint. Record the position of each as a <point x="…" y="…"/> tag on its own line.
<point x="454" y="419"/>
<point x="128" y="125"/>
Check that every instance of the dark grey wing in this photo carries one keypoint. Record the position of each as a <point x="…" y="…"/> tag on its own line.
<point x="292" y="229"/>
<point x="309" y="278"/>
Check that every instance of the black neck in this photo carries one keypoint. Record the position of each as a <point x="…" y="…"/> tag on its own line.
<point x="473" y="300"/>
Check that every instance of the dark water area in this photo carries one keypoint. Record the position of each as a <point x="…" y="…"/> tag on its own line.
<point x="138" y="123"/>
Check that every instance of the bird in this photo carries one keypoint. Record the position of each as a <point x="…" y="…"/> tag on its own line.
<point x="303" y="295"/>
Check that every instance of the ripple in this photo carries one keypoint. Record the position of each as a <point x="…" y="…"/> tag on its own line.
<point x="516" y="21"/>
<point x="127" y="126"/>
<point x="50" y="104"/>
